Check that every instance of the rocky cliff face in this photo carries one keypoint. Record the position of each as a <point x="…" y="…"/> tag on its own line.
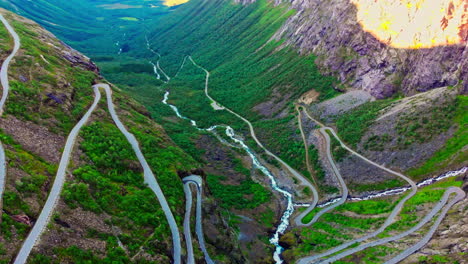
<point x="330" y="29"/>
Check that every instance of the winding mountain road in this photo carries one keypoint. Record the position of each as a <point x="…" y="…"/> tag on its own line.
<point x="6" y="64"/>
<point x="149" y="177"/>
<point x="54" y="194"/>
<point x="6" y="87"/>
<point x="57" y="186"/>
<point x="197" y="181"/>
<point x="460" y="194"/>
<point x="344" y="188"/>
<point x="390" y="219"/>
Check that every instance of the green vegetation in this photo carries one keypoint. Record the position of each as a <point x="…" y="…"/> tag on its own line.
<point x="37" y="171"/>
<point x="339" y="153"/>
<point x="10" y="227"/>
<point x="423" y="127"/>
<point x="248" y="194"/>
<point x="114" y="184"/>
<point x="369" y="207"/>
<point x="330" y="231"/>
<point x="436" y="259"/>
<point x="334" y="228"/>
<point x="352" y="125"/>
<point x="267" y="218"/>
<point x="6" y="42"/>
<point x="426" y="195"/>
<point x="74" y="254"/>
<point x="369" y="256"/>
<point x="388" y="184"/>
<point x="310" y="215"/>
<point x="134" y="19"/>
<point x="377" y="142"/>
<point x="284" y="141"/>
<point x="452" y="151"/>
<point x="31" y="100"/>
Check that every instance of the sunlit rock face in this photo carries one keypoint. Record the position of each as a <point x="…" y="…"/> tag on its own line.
<point x="414" y="23"/>
<point x="412" y="61"/>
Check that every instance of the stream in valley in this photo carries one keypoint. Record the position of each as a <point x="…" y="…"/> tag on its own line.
<point x="257" y="164"/>
<point x="393" y="191"/>
<point x="284" y="223"/>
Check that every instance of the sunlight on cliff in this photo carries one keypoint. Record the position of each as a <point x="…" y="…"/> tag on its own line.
<point x="414" y="23"/>
<point x="174" y="2"/>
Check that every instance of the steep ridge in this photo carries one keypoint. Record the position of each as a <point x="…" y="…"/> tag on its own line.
<point x="364" y="62"/>
<point x="50" y="92"/>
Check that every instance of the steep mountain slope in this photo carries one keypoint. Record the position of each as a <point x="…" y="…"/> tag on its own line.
<point x="335" y="32"/>
<point x="106" y="212"/>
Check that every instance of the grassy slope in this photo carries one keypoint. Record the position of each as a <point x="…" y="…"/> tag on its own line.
<point x="413" y="129"/>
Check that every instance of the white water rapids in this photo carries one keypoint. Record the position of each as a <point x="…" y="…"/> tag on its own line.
<point x="394" y="191"/>
<point x="257" y="164"/>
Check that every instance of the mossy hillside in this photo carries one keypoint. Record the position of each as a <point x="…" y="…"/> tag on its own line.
<point x="34" y="178"/>
<point x="6" y="42"/>
<point x="39" y="70"/>
<point x="452" y="152"/>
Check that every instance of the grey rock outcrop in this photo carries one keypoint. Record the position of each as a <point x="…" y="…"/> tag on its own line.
<point x="330" y="30"/>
